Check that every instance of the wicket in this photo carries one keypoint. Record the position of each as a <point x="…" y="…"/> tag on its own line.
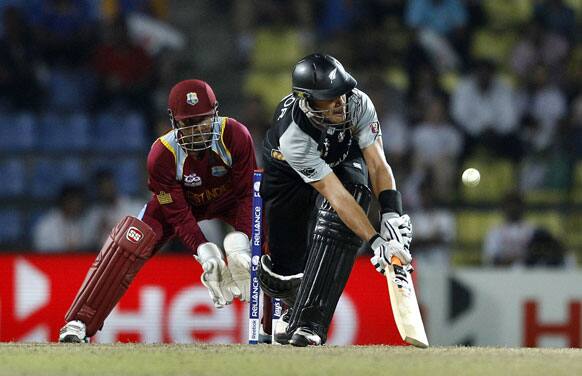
<point x="256" y="251"/>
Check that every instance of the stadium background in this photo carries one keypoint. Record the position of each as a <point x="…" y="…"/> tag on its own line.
<point x="83" y="94"/>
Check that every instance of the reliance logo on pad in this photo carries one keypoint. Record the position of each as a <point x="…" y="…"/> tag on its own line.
<point x="133" y="235"/>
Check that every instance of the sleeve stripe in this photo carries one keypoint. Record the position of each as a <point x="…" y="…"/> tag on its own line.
<point x="168" y="146"/>
<point x="223" y="126"/>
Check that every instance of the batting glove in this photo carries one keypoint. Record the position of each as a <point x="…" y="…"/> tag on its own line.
<point x="238" y="255"/>
<point x="216" y="276"/>
<point x="396" y="227"/>
<point x="384" y="250"/>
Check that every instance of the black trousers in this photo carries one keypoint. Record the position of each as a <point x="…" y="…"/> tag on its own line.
<point x="290" y="209"/>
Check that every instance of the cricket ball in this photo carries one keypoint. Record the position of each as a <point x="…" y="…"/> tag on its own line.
<point x="471" y="177"/>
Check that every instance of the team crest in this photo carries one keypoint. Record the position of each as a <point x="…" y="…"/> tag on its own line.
<point x="192" y="99"/>
<point x="192" y="180"/>
<point x="374" y="127"/>
<point x="218" y="171"/>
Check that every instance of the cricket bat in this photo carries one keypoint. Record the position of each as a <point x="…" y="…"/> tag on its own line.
<point x="404" y="305"/>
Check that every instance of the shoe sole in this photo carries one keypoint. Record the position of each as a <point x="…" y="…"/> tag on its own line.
<point x="298" y="341"/>
<point x="282" y="340"/>
<point x="70" y="338"/>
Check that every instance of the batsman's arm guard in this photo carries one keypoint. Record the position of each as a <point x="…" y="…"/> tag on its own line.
<point x="278" y="286"/>
<point x="127" y="248"/>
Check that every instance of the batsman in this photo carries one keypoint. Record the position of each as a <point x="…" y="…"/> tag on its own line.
<point x="323" y="148"/>
<point x="201" y="169"/>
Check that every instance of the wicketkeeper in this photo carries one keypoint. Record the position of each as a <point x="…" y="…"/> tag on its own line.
<point x="201" y="169"/>
<point x="324" y="145"/>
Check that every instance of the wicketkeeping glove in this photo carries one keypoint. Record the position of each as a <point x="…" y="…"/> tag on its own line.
<point x="396" y="227"/>
<point x="384" y="250"/>
<point x="238" y="256"/>
<point x="216" y="276"/>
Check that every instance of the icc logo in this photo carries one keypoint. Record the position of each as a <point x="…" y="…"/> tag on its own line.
<point x="133" y="235"/>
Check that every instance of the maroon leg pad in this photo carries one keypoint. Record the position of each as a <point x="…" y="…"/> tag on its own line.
<point x="267" y="312"/>
<point x="127" y="248"/>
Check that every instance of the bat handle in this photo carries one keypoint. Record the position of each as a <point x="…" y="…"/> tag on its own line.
<point x="396" y="261"/>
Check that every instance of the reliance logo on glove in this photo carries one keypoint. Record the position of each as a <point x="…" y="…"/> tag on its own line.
<point x="134" y="235"/>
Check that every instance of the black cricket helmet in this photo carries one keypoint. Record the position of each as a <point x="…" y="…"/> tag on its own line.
<point x="323" y="77"/>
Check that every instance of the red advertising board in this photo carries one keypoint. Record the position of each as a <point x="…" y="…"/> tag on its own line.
<point x="167" y="303"/>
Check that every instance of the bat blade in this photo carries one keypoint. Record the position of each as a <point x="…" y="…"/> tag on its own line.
<point x="405" y="306"/>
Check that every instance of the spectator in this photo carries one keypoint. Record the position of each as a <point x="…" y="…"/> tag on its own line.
<point x="571" y="138"/>
<point x="545" y="101"/>
<point x="506" y="244"/>
<point x="19" y="87"/>
<point x="110" y="206"/>
<point x="423" y="90"/>
<point x="557" y="17"/>
<point x="484" y="107"/>
<point x="546" y="167"/>
<point x="545" y="250"/>
<point x="440" y="28"/>
<point x="436" y="147"/>
<point x="434" y="229"/>
<point x="441" y="16"/>
<point x="537" y="47"/>
<point x="65" y="30"/>
<point x="124" y="70"/>
<point x="390" y="104"/>
<point x="255" y="115"/>
<point x="67" y="227"/>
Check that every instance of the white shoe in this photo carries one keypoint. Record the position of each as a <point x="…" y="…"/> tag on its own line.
<point x="73" y="332"/>
<point x="280" y="330"/>
<point x="305" y="337"/>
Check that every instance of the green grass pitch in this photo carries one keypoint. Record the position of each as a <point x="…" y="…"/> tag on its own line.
<point x="160" y="360"/>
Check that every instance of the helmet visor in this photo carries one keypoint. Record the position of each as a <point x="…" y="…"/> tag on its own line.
<point x="341" y="113"/>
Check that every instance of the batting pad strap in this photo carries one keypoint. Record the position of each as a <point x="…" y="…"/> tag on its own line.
<point x="390" y="201"/>
<point x="266" y="265"/>
<point x="275" y="285"/>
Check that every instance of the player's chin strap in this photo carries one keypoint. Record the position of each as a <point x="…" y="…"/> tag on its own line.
<point x="331" y="258"/>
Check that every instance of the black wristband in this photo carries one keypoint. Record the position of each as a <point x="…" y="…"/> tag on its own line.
<point x="373" y="239"/>
<point x="390" y="201"/>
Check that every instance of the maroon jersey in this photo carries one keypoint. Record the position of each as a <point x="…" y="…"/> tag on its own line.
<point x="187" y="190"/>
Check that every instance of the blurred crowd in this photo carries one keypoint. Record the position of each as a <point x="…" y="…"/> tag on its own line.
<point x="490" y="84"/>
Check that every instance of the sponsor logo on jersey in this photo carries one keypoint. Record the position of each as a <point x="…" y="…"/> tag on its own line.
<point x="307" y="172"/>
<point x="208" y="195"/>
<point x="164" y="198"/>
<point x="192" y="180"/>
<point x="374" y="127"/>
<point x="276" y="154"/>
<point x="192" y="99"/>
<point x="218" y="171"/>
<point x="133" y="235"/>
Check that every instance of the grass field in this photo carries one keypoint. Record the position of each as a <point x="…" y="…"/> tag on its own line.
<point x="160" y="360"/>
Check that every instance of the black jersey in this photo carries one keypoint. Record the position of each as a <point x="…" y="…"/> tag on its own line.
<point x="294" y="145"/>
